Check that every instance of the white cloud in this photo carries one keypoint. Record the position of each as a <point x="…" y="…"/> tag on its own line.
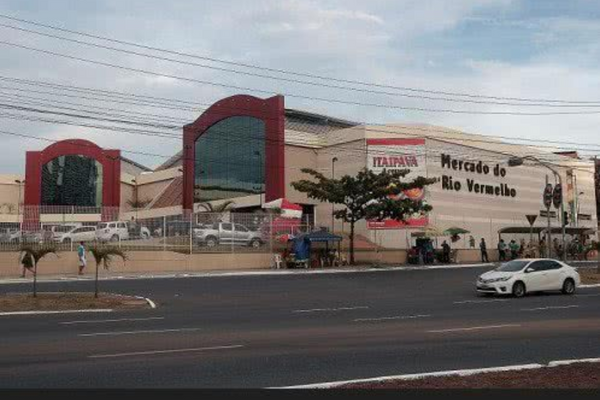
<point x="401" y="43"/>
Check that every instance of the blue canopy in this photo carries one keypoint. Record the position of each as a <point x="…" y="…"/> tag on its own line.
<point x="323" y="236"/>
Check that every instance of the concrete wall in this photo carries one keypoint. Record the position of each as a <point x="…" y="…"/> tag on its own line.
<point x="9" y="197"/>
<point x="295" y="159"/>
<point x="140" y="262"/>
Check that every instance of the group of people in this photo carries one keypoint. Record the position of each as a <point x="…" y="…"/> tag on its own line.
<point x="28" y="263"/>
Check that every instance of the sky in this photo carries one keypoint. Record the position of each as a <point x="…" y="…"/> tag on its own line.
<point x="501" y="48"/>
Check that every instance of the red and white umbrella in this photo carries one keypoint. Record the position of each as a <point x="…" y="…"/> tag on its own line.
<point x="288" y="209"/>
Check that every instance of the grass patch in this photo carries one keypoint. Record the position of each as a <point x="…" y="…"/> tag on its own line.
<point x="68" y="301"/>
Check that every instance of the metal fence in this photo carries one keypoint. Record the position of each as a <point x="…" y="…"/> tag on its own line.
<point x="188" y="233"/>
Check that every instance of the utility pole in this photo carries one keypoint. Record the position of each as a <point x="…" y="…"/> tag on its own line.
<point x="20" y="183"/>
<point x="333" y="161"/>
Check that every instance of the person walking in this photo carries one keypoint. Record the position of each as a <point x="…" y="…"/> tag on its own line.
<point x="502" y="250"/>
<point x="514" y="249"/>
<point x="543" y="248"/>
<point x="446" y="252"/>
<point x="81" y="256"/>
<point x="483" y="248"/>
<point x="27" y="264"/>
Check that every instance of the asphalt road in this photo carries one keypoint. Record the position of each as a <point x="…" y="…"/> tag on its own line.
<point x="269" y="331"/>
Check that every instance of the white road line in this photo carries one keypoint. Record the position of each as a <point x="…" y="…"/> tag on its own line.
<point x="479" y="301"/>
<point x="330" y="309"/>
<point x="588" y="295"/>
<point x="97" y="310"/>
<point x="145" y="353"/>
<point x="138" y="332"/>
<point x="473" y="328"/>
<point x="549" y="308"/>
<point x="100" y="321"/>
<point x="397" y="317"/>
<point x="593" y="285"/>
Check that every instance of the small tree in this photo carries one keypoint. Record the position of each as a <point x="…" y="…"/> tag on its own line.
<point x="219" y="210"/>
<point x="30" y="257"/>
<point x="365" y="196"/>
<point x="104" y="255"/>
<point x="138" y="204"/>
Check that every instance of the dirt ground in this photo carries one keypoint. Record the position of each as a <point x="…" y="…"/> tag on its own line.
<point x="67" y="301"/>
<point x="574" y="376"/>
<point x="589" y="276"/>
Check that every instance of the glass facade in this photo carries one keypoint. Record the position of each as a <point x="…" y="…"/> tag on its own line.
<point x="230" y="160"/>
<point x="72" y="181"/>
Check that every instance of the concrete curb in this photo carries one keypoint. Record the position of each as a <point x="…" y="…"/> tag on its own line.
<point x="247" y="273"/>
<point x="458" y="372"/>
<point x="150" y="302"/>
<point x="15" y="313"/>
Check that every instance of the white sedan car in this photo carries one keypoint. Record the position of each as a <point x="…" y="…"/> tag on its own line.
<point x="78" y="234"/>
<point x="519" y="277"/>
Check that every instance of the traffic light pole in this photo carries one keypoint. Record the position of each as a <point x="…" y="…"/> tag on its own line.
<point x="549" y="231"/>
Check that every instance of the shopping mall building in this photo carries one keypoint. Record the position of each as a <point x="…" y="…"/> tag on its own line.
<point x="250" y="150"/>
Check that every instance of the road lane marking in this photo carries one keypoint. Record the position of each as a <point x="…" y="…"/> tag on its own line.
<point x="479" y="301"/>
<point x="473" y="328"/>
<point x="397" y="317"/>
<point x="330" y="309"/>
<point x="97" y="310"/>
<point x="549" y="308"/>
<point x="587" y="295"/>
<point x="100" y="321"/>
<point x="138" y="332"/>
<point x="152" y="352"/>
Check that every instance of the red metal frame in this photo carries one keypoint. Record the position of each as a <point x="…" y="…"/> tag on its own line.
<point x="111" y="175"/>
<point x="271" y="111"/>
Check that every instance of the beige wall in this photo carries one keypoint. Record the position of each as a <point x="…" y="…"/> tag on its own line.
<point x="140" y="262"/>
<point x="296" y="158"/>
<point x="9" y="198"/>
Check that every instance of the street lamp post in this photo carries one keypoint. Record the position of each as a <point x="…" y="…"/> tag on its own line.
<point x="518" y="161"/>
<point x="333" y="161"/>
<point x="576" y="219"/>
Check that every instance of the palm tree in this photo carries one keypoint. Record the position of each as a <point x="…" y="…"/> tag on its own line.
<point x="219" y="210"/>
<point x="138" y="204"/>
<point x="104" y="255"/>
<point x="31" y="256"/>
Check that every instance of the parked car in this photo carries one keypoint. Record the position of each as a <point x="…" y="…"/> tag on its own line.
<point x="79" y="234"/>
<point x="9" y="235"/>
<point x="227" y="233"/>
<point x="120" y="230"/>
<point x="521" y="276"/>
<point x="56" y="231"/>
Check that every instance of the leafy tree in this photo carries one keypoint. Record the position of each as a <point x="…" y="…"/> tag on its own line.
<point x="104" y="255"/>
<point x="30" y="257"/>
<point x="365" y="196"/>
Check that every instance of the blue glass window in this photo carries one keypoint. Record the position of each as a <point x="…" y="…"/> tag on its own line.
<point x="230" y="160"/>
<point x="72" y="181"/>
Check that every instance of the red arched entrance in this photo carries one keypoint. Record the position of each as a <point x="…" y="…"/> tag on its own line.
<point x="271" y="111"/>
<point x="111" y="176"/>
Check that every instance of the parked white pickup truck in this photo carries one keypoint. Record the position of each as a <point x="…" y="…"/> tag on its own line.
<point x="120" y="230"/>
<point x="227" y="233"/>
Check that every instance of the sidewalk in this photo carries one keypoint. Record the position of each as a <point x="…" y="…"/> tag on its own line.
<point x="258" y="272"/>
